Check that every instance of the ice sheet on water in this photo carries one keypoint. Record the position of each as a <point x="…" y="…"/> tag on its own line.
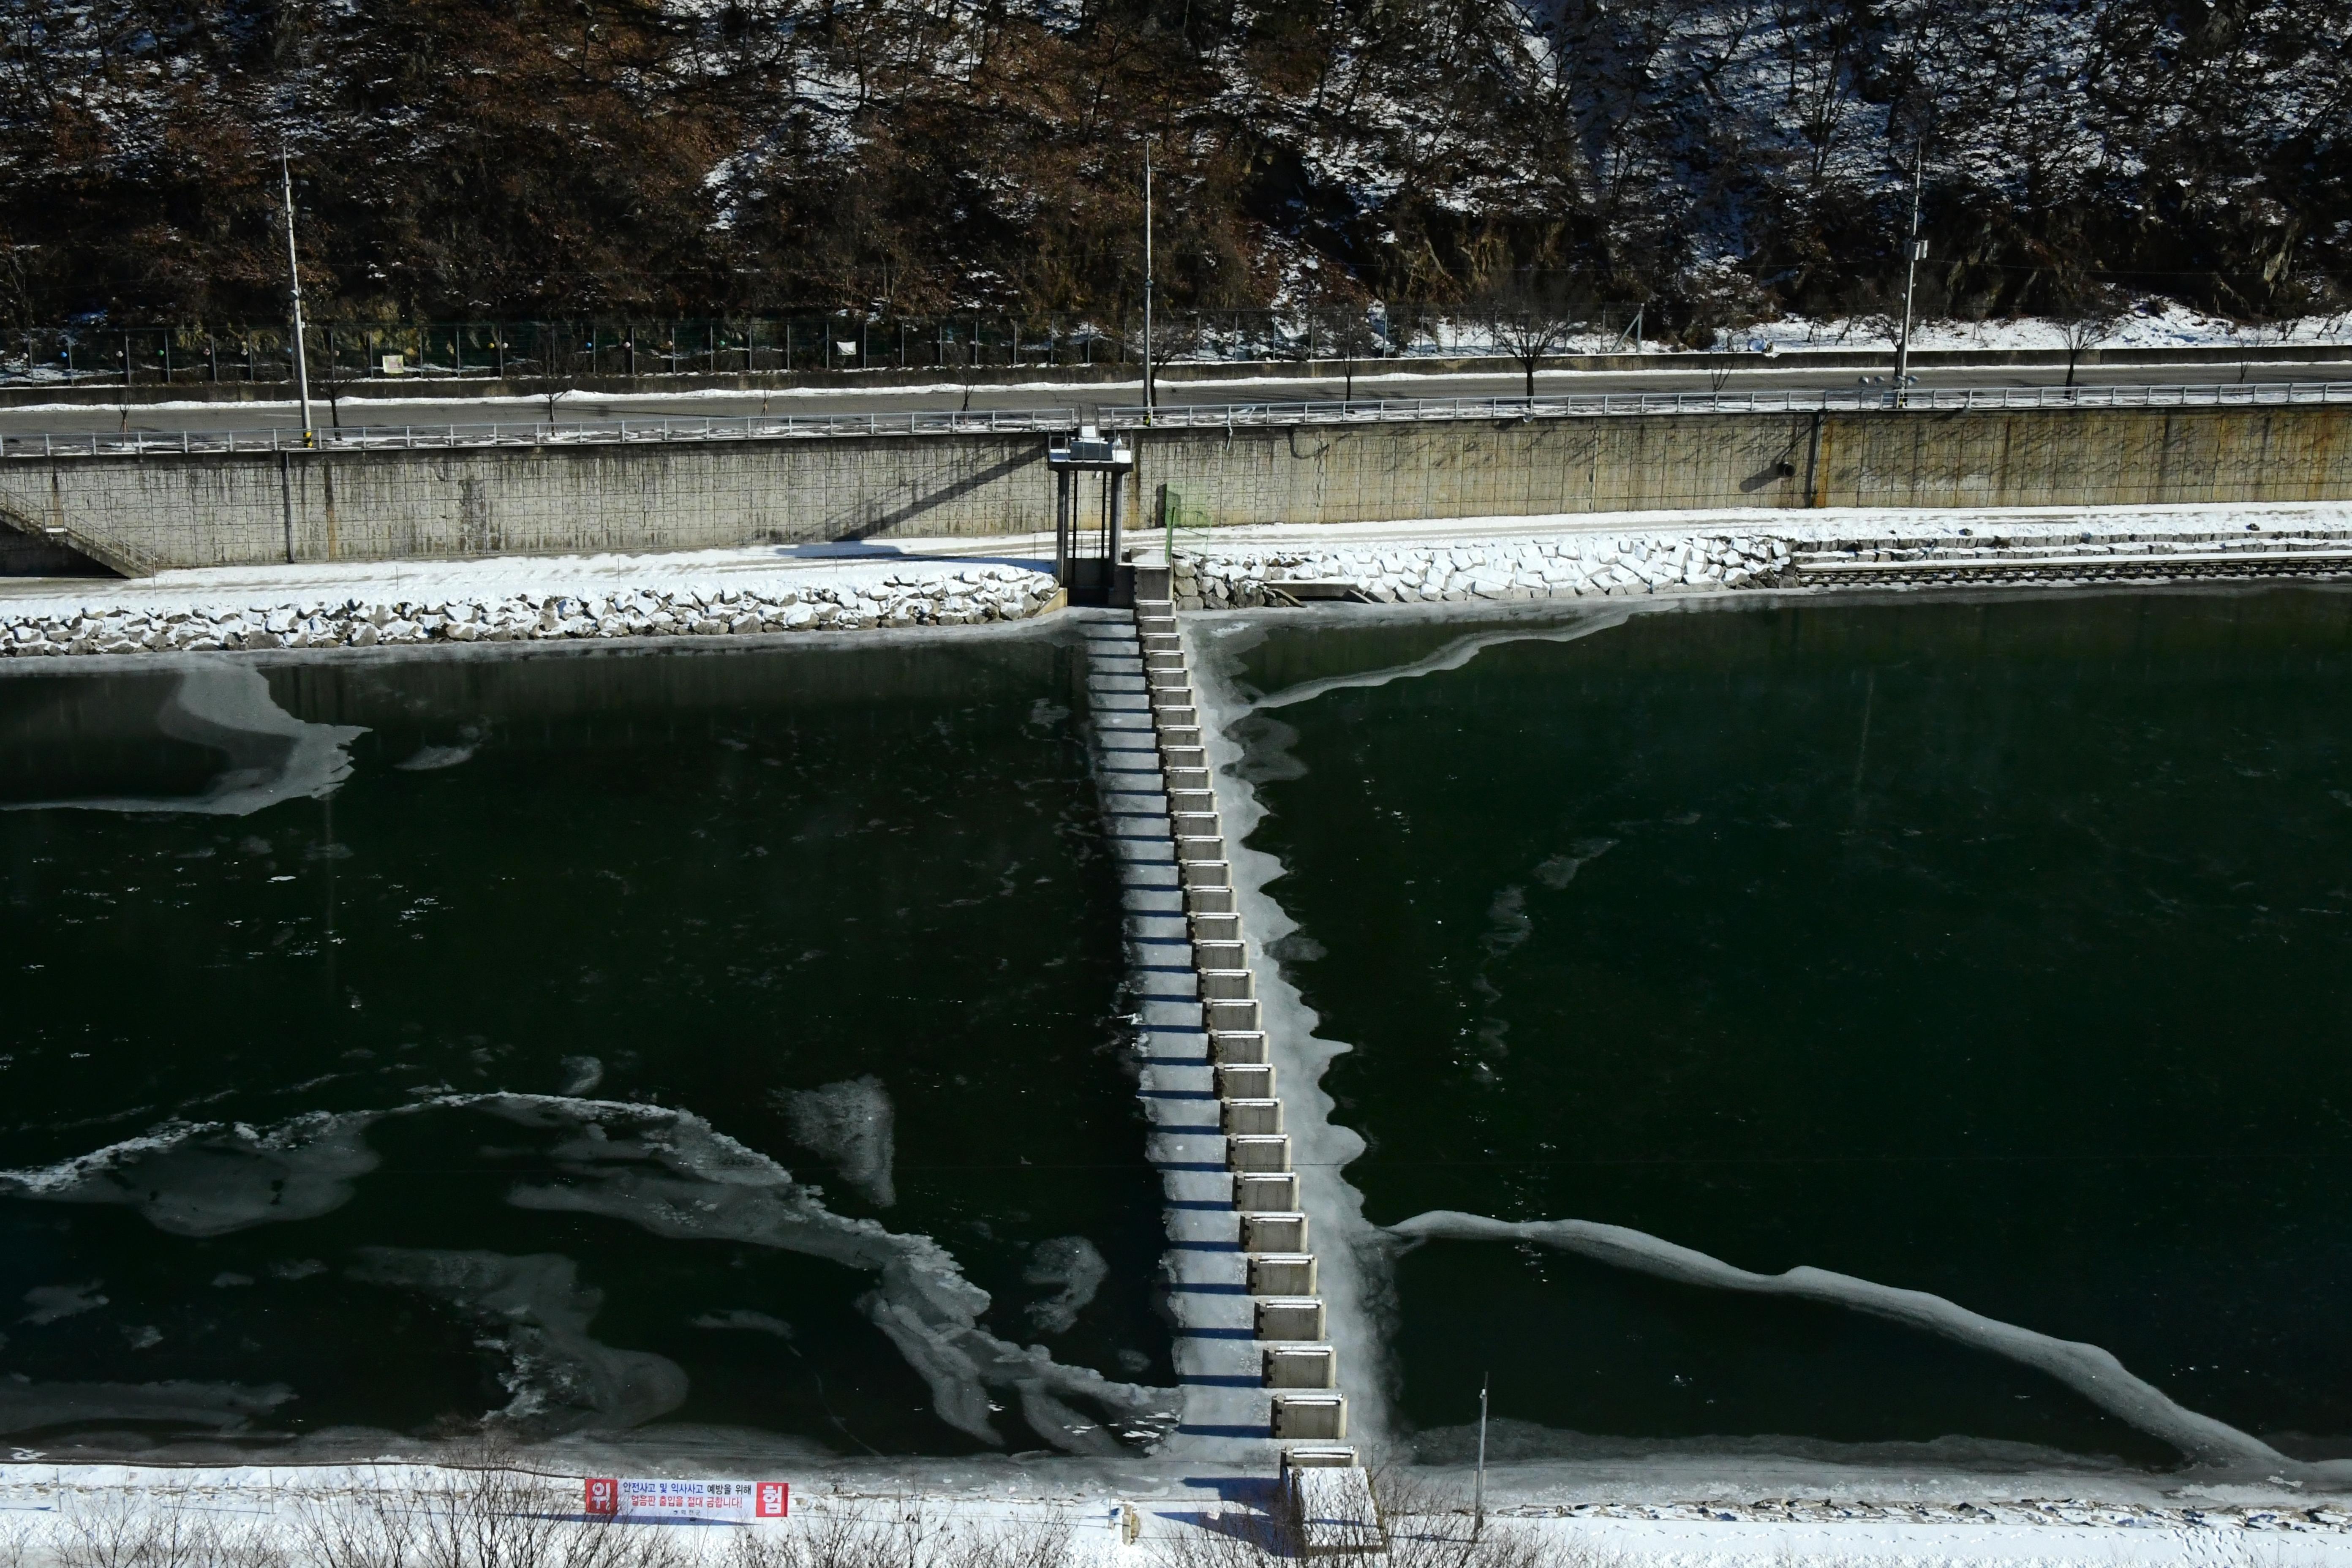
<point x="1507" y="924"/>
<point x="432" y="759"/>
<point x="737" y="1317"/>
<point x="562" y="1378"/>
<point x="2089" y="1371"/>
<point x="1452" y="655"/>
<point x="52" y="1303"/>
<point x="1560" y="871"/>
<point x="668" y="1171"/>
<point x="222" y="1406"/>
<point x="852" y="1125"/>
<point x="1073" y="1263"/>
<point x="207" y="1179"/>
<point x="270" y="754"/>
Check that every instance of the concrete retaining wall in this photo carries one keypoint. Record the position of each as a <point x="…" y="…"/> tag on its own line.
<point x="169" y="511"/>
<point x="1977" y="459"/>
<point x="160" y="511"/>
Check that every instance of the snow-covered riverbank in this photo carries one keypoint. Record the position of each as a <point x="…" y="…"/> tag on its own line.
<point x="110" y="1516"/>
<point x="910" y="597"/>
<point x="955" y="583"/>
<point x="1631" y="556"/>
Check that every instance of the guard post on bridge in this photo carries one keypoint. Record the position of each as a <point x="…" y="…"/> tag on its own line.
<point x="1086" y="556"/>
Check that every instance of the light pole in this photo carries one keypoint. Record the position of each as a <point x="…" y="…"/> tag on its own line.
<point x="1147" y="401"/>
<point x="294" y="284"/>
<point x="1478" y="1504"/>
<point x="1915" y="252"/>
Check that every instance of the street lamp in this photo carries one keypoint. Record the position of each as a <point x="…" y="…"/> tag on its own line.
<point x="294" y="286"/>
<point x="1915" y="252"/>
<point x="1148" y="400"/>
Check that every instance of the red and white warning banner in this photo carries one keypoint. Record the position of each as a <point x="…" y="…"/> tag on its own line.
<point x="714" y="1503"/>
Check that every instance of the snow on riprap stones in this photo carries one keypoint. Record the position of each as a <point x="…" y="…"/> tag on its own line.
<point x="1492" y="569"/>
<point x="962" y="598"/>
<point x="2150" y="544"/>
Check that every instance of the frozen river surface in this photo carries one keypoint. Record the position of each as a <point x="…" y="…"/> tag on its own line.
<point x="721" y="1048"/>
<point x="1994" y="959"/>
<point x="611" y="1043"/>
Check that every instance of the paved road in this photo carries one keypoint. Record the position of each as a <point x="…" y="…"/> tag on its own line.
<point x="1085" y="398"/>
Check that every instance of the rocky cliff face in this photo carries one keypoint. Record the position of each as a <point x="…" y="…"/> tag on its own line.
<point x="461" y="158"/>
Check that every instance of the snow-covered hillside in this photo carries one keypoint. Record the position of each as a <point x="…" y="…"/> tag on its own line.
<point x="1725" y="160"/>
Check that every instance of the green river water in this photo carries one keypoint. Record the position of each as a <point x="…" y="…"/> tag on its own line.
<point x="1998" y="949"/>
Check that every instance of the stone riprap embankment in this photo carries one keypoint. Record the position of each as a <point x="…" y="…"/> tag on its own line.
<point x="1682" y="562"/>
<point x="946" y="599"/>
<point x="1483" y="569"/>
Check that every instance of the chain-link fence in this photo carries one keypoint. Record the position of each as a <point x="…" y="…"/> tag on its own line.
<point x="339" y="353"/>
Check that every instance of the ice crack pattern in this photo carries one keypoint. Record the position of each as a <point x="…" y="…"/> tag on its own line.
<point x="666" y="1172"/>
<point x="2089" y="1371"/>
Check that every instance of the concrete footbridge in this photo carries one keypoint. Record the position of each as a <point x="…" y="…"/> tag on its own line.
<point x="1257" y="1372"/>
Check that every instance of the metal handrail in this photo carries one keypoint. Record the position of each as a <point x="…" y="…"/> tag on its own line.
<point x="1418" y="410"/>
<point x="630" y="431"/>
<point x="1171" y="417"/>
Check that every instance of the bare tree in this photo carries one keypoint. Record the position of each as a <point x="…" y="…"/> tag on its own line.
<point x="172" y="1527"/>
<point x="902" y="1534"/>
<point x="2091" y="311"/>
<point x="1410" y="320"/>
<point x="1174" y="334"/>
<point x="2256" y="334"/>
<point x="961" y="358"/>
<point x="121" y="1530"/>
<point x="1352" y="336"/>
<point x="332" y="376"/>
<point x="15" y="1541"/>
<point x="485" y="1514"/>
<point x="2333" y="305"/>
<point x="1529" y="317"/>
<point x="563" y="361"/>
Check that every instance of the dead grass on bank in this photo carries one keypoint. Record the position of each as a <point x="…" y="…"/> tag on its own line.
<point x="902" y="1534"/>
<point x="501" y="1519"/>
<point x="465" y="1518"/>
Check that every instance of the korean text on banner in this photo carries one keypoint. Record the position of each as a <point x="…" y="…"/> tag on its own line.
<point x="713" y="1503"/>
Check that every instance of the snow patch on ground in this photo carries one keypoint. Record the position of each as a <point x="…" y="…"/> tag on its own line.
<point x="2152" y="324"/>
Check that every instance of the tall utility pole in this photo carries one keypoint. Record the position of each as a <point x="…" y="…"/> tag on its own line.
<point x="1147" y="401"/>
<point x="294" y="284"/>
<point x="1914" y="251"/>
